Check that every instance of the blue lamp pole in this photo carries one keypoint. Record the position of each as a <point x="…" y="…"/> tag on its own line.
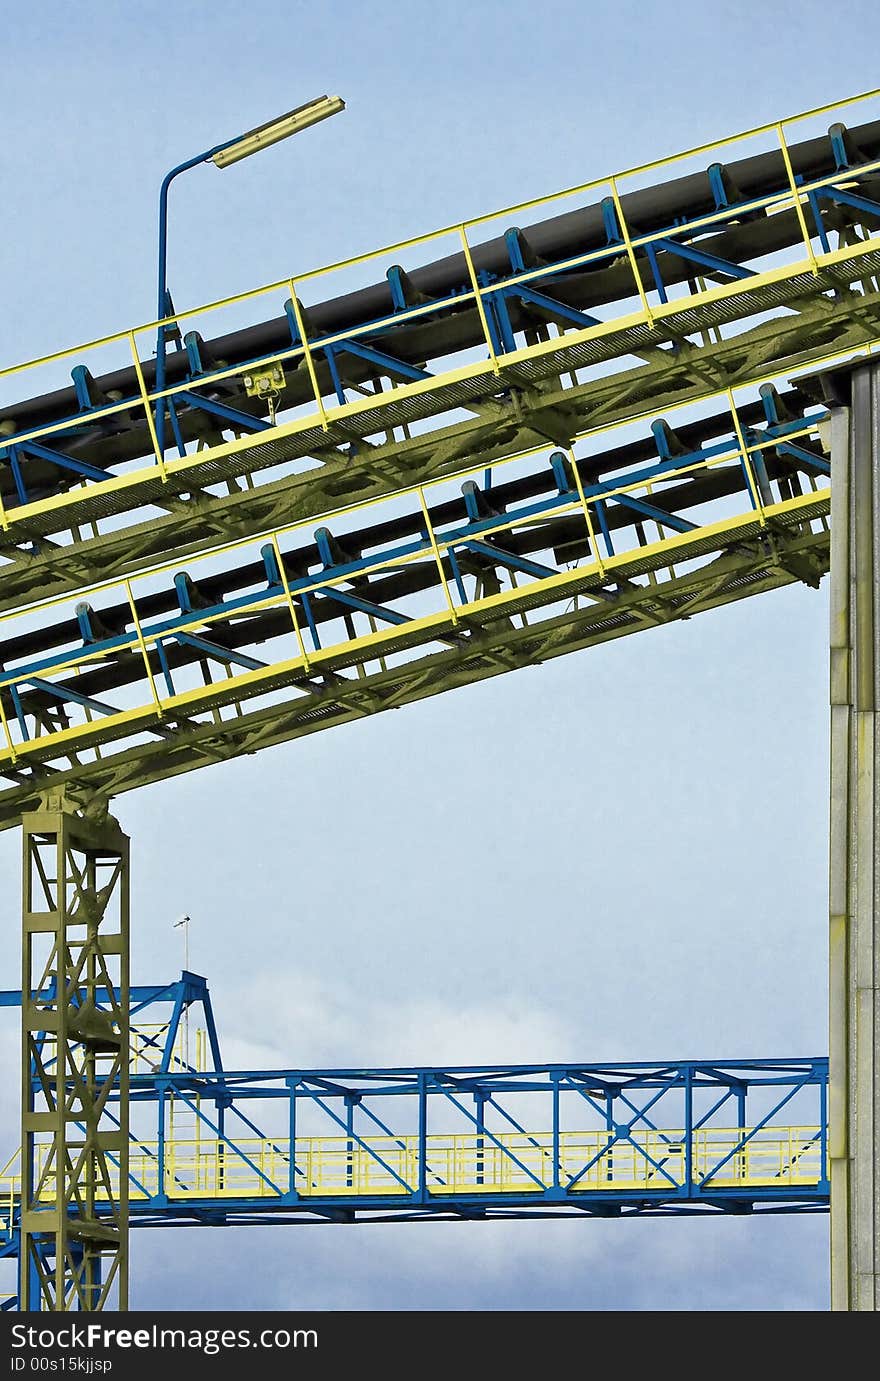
<point x="222" y="155"/>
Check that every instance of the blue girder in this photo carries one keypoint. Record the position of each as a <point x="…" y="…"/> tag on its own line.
<point x="628" y="1106"/>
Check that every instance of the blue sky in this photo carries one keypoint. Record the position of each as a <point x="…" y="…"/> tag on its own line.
<point x="662" y="799"/>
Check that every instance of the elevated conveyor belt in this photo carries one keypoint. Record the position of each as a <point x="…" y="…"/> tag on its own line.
<point x="628" y="293"/>
<point x="433" y="587"/>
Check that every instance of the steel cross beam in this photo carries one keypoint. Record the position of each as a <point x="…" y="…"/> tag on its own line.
<point x="75" y="1041"/>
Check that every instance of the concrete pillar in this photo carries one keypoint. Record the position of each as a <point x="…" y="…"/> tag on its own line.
<point x="854" y="1097"/>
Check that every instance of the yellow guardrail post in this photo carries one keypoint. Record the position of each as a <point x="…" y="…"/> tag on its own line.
<point x="798" y="205"/>
<point x="624" y="230"/>
<point x="594" y="545"/>
<point x="143" y="647"/>
<point x="432" y="538"/>
<point x="744" y="450"/>
<point x="145" y="399"/>
<point x="304" y="341"/>
<point x="478" y="298"/>
<point x="13" y="753"/>
<point x="290" y="602"/>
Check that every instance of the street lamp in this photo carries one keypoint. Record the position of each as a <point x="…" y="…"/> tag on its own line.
<point x="222" y="155"/>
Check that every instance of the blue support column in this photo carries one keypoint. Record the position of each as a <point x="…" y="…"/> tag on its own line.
<point x="689" y="1131"/>
<point x="349" y="1147"/>
<point x="292" y="1085"/>
<point x="557" y="1139"/>
<point x="480" y="1107"/>
<point x="423" y="1137"/>
<point x="740" y="1123"/>
<point x="161" y="1091"/>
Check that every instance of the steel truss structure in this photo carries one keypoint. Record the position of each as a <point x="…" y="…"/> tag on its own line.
<point x="470" y="452"/>
<point x="213" y="1147"/>
<point x="623" y="524"/>
<point x="75" y="1042"/>
<point x="434" y="587"/>
<point x="703" y="280"/>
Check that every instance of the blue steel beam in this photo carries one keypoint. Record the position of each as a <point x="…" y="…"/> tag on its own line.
<point x="593" y="1139"/>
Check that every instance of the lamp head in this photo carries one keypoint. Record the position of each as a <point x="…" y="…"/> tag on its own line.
<point x="273" y="131"/>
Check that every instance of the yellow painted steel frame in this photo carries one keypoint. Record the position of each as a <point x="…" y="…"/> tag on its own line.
<point x="796" y="524"/>
<point x="335" y="423"/>
<point x="74" y="956"/>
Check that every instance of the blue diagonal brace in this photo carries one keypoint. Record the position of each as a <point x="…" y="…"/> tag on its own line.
<point x="64" y="462"/>
<point x="166" y="669"/>
<point x="371" y="1151"/>
<point x="228" y="414"/>
<point x="549" y="304"/>
<point x="507" y="558"/>
<point x="490" y="1136"/>
<point x="230" y="1145"/>
<point x="658" y="1165"/>
<point x="871" y="208"/>
<point x="649" y="510"/>
<point x="800" y="453"/>
<point x="223" y="654"/>
<point x="704" y="259"/>
<point x="640" y="1112"/>
<point x="15" y="466"/>
<point x="752" y="1132"/>
<point x="364" y="606"/>
<point x="389" y="363"/>
<point x="66" y="693"/>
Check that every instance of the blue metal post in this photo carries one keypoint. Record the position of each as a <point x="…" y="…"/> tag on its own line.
<point x="161" y="1090"/>
<point x="741" y="1127"/>
<point x="423" y="1137"/>
<point x="349" y="1146"/>
<point x="823" y="1133"/>
<point x="555" y="1077"/>
<point x="689" y="1131"/>
<point x="291" y="1135"/>
<point x="480" y="1104"/>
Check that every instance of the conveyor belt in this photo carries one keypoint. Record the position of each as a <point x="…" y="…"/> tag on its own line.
<point x="520" y="479"/>
<point x="730" y="234"/>
<point x="458" y="581"/>
<point x="731" y="274"/>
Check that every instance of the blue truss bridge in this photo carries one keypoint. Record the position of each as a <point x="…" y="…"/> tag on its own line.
<point x="209" y="1146"/>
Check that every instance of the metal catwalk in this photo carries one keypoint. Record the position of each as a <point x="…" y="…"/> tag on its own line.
<point x="215" y="1147"/>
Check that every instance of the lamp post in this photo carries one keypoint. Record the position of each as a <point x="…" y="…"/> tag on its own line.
<point x="222" y="155"/>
